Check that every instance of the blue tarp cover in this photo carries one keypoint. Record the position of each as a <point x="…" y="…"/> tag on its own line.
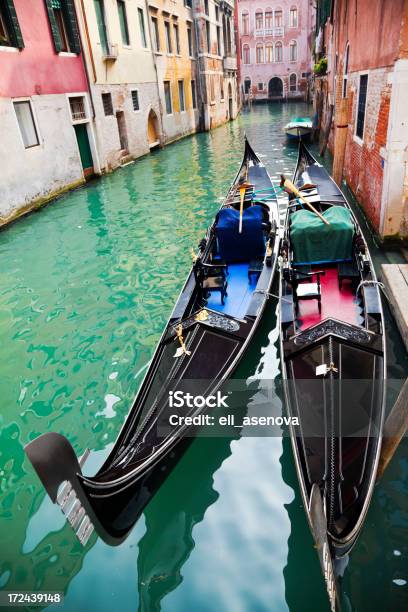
<point x="233" y="246"/>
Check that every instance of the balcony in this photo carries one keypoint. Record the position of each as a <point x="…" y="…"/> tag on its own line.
<point x="276" y="32"/>
<point x="229" y="63"/>
<point x="110" y="54"/>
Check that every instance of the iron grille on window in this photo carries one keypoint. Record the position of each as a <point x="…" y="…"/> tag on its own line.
<point x="77" y="105"/>
<point x="135" y="100"/>
<point x="107" y="103"/>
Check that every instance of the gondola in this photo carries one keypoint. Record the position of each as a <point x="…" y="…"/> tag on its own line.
<point x="299" y="127"/>
<point x="333" y="361"/>
<point x="209" y="329"/>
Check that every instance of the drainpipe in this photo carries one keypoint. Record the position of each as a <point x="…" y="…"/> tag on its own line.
<point x="200" y="74"/>
<point x="149" y="25"/>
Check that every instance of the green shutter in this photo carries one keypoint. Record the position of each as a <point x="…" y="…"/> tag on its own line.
<point x="53" y="24"/>
<point x="16" y="33"/>
<point x="68" y="8"/>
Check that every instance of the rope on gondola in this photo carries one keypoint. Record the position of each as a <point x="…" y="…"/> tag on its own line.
<point x="379" y="284"/>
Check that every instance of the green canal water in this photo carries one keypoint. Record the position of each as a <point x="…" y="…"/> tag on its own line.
<point x="86" y="286"/>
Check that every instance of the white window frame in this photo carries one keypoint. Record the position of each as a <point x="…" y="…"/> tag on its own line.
<point x="297" y="16"/>
<point x="296" y="82"/>
<point x="357" y="139"/>
<point x="86" y="106"/>
<point x="293" y="44"/>
<point x="34" y="116"/>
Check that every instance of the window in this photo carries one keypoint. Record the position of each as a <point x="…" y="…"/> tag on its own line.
<point x="260" y="86"/>
<point x="167" y="96"/>
<point x="107" y="104"/>
<point x="293" y="51"/>
<point x="135" y="100"/>
<point x="269" y="53"/>
<point x="247" y="85"/>
<point x="101" y="21"/>
<point x="142" y="27"/>
<point x="217" y="13"/>
<point x="124" y="30"/>
<point x="361" y="107"/>
<point x="258" y="20"/>
<point x="245" y="54"/>
<point x="346" y="65"/>
<point x="207" y="36"/>
<point x="168" y="37"/>
<point x="222" y="86"/>
<point x="181" y="96"/>
<point x="190" y="41"/>
<point x="64" y="27"/>
<point x="218" y="40"/>
<point x="77" y="106"/>
<point x="278" y="19"/>
<point x="26" y="123"/>
<point x="278" y="52"/>
<point x="245" y="23"/>
<point x="206" y="10"/>
<point x="259" y="54"/>
<point x="10" y="33"/>
<point x="193" y="94"/>
<point x="293" y="18"/>
<point x="268" y="20"/>
<point x="176" y="37"/>
<point x="188" y="3"/>
<point x="156" y="38"/>
<point x="292" y="82"/>
<point x="212" y="89"/>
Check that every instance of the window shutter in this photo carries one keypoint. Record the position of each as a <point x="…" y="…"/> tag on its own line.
<point x="53" y="24"/>
<point x="17" y="36"/>
<point x="68" y="8"/>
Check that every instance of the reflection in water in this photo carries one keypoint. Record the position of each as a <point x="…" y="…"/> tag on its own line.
<point x="182" y="503"/>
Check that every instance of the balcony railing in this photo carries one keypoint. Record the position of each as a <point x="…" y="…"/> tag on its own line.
<point x="111" y="53"/>
<point x="278" y="31"/>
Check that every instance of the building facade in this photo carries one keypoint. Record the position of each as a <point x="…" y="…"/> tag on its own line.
<point x="48" y="142"/>
<point x="275" y="48"/>
<point x="367" y="75"/>
<point x="216" y="61"/>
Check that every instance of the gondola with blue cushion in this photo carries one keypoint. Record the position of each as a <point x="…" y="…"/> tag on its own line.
<point x="209" y="330"/>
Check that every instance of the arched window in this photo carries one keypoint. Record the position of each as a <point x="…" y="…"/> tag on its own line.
<point x="245" y="54"/>
<point x="268" y="19"/>
<point x="245" y="22"/>
<point x="278" y="18"/>
<point x="258" y="20"/>
<point x="293" y="51"/>
<point x="293" y="82"/>
<point x="269" y="53"/>
<point x="278" y="52"/>
<point x="259" y="54"/>
<point x="293" y="17"/>
<point x="247" y="85"/>
<point x="345" y="70"/>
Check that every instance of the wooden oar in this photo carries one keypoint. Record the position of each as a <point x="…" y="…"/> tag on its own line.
<point x="395" y="428"/>
<point x="290" y="188"/>
<point x="242" y="189"/>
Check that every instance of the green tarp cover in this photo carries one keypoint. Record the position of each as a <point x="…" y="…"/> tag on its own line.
<point x="315" y="242"/>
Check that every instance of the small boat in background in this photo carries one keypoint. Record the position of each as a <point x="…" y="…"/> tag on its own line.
<point x="333" y="361"/>
<point x="212" y="323"/>
<point x="300" y="127"/>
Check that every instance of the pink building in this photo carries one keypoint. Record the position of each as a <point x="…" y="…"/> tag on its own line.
<point x="275" y="48"/>
<point x="45" y="112"/>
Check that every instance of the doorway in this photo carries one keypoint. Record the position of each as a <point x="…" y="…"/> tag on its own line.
<point x="230" y="101"/>
<point x="153" y="130"/>
<point x="120" y="118"/>
<point x="84" y="148"/>
<point x="275" y="88"/>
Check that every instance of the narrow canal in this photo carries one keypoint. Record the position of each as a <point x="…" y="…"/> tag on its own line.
<point x="86" y="286"/>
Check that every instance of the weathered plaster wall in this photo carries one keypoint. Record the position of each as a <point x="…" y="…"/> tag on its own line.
<point x="30" y="175"/>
